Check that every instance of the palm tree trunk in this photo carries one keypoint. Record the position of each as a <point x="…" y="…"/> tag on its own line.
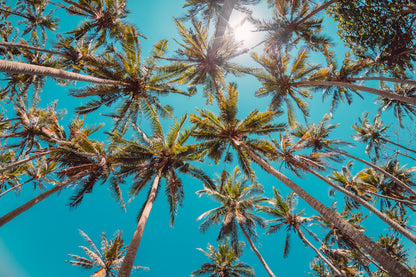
<point x="13" y="67"/>
<point x="253" y="247"/>
<point x="387" y="79"/>
<point x="14" y="13"/>
<point x="380" y="92"/>
<point x="377" y="168"/>
<point x="222" y="23"/>
<point x="11" y="215"/>
<point x="127" y="265"/>
<point x="25" y="46"/>
<point x="398" y="145"/>
<point x="10" y="166"/>
<point x="393" y="224"/>
<point x="308" y="243"/>
<point x="15" y="187"/>
<point x="391" y="265"/>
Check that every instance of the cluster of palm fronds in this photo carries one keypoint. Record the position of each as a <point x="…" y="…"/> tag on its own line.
<point x="104" y="51"/>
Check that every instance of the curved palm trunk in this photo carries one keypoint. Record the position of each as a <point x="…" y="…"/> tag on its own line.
<point x="379" y="169"/>
<point x="387" y="79"/>
<point x="11" y="215"/>
<point x="128" y="261"/>
<point x="25" y="46"/>
<point x="308" y="243"/>
<point x="222" y="23"/>
<point x="253" y="247"/>
<point x="13" y="67"/>
<point x="373" y="249"/>
<point x="393" y="224"/>
<point x="398" y="145"/>
<point x="14" y="13"/>
<point x="380" y="92"/>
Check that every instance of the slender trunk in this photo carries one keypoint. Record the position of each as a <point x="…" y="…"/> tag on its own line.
<point x="14" y="13"/>
<point x="253" y="247"/>
<point x="315" y="11"/>
<point x="377" y="168"/>
<point x="11" y="215"/>
<point x="380" y="92"/>
<point x="308" y="243"/>
<point x="391" y="265"/>
<point x="393" y="224"/>
<point x="15" y="187"/>
<point x="13" y="67"/>
<point x="25" y="46"/>
<point x="407" y="202"/>
<point x="222" y="23"/>
<point x="387" y="79"/>
<point x="127" y="265"/>
<point x="3" y="169"/>
<point x="398" y="145"/>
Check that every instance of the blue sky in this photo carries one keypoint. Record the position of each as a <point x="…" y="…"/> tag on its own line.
<point x="37" y="243"/>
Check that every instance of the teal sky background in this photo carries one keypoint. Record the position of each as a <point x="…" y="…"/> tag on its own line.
<point x="36" y="243"/>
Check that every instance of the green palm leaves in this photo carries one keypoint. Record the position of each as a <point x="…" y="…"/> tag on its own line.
<point x="219" y="132"/>
<point x="224" y="262"/>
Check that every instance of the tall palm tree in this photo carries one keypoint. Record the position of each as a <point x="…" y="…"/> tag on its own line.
<point x="238" y="200"/>
<point x="107" y="260"/>
<point x="82" y="161"/>
<point x="159" y="157"/>
<point x="224" y="262"/>
<point x="283" y="214"/>
<point x="226" y="129"/>
<point x="318" y="139"/>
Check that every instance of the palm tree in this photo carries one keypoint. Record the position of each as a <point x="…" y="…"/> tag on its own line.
<point x="400" y="109"/>
<point x="34" y="17"/>
<point x="356" y="195"/>
<point x="318" y="139"/>
<point x="238" y="200"/>
<point x="277" y="79"/>
<point x="373" y="135"/>
<point x="103" y="17"/>
<point x="83" y="161"/>
<point x="107" y="261"/>
<point x="158" y="157"/>
<point x="294" y="18"/>
<point x="226" y="129"/>
<point x="224" y="262"/>
<point x="283" y="214"/>
<point x="198" y="63"/>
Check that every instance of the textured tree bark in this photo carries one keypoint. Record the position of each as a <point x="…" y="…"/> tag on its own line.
<point x="31" y="69"/>
<point x="127" y="265"/>
<point x="393" y="267"/>
<point x="375" y="91"/>
<point x="11" y="215"/>
<point x="222" y="23"/>
<point x="393" y="224"/>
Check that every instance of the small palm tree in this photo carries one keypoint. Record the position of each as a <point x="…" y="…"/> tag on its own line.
<point x="107" y="261"/>
<point x="224" y="262"/>
<point x="238" y="201"/>
<point x="283" y="214"/>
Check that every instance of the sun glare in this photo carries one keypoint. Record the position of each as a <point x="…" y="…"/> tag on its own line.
<point x="243" y="30"/>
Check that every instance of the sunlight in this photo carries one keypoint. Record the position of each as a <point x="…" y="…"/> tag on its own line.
<point x="243" y="30"/>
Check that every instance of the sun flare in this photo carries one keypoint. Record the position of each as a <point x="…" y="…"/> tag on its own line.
<point x="242" y="29"/>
